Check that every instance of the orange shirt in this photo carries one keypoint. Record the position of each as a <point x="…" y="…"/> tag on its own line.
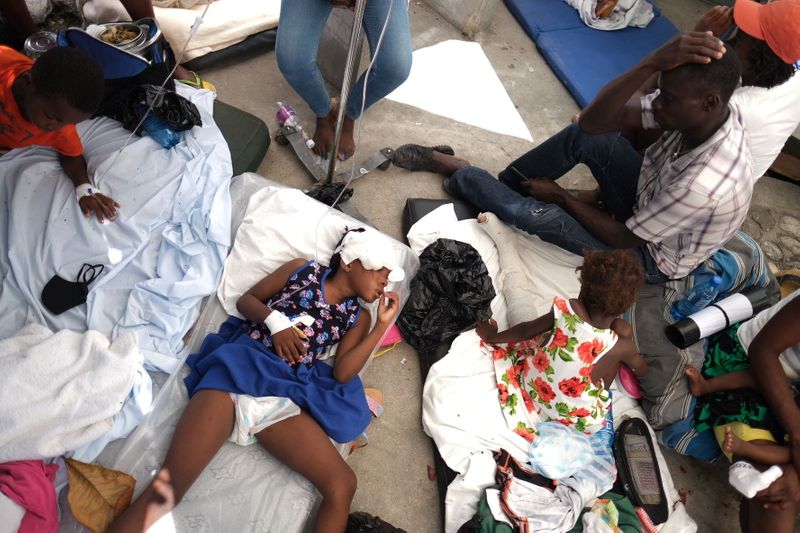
<point x="15" y="130"/>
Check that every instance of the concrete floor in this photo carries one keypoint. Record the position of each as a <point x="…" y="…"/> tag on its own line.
<point x="392" y="469"/>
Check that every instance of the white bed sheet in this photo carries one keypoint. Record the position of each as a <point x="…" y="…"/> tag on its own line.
<point x="244" y="488"/>
<point x="226" y="23"/>
<point x="460" y="410"/>
<point x="170" y="239"/>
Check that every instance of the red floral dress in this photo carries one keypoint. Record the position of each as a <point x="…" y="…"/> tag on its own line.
<point x="547" y="378"/>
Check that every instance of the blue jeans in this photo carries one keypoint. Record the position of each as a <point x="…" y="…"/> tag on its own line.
<point x="614" y="163"/>
<point x="299" y="31"/>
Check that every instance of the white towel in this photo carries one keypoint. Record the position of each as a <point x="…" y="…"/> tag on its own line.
<point x="637" y="13"/>
<point x="60" y="390"/>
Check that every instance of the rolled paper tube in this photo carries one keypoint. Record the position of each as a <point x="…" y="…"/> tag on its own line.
<point x="718" y="316"/>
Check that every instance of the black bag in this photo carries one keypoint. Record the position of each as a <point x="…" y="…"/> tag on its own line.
<point x="361" y="522"/>
<point x="451" y="291"/>
<point x="129" y="106"/>
<point x="60" y="295"/>
<point x="638" y="469"/>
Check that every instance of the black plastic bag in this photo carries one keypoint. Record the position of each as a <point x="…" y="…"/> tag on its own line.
<point x="129" y="106"/>
<point x="361" y="522"/>
<point x="451" y="291"/>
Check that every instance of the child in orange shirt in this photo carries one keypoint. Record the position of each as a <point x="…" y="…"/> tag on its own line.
<point x="40" y="103"/>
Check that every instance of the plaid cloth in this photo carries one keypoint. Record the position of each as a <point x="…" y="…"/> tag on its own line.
<point x="687" y="204"/>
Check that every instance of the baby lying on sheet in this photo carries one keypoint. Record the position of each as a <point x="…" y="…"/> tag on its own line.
<point x="259" y="380"/>
<point x="557" y="367"/>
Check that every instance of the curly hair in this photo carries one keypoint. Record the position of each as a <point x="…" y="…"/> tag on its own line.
<point x="610" y="281"/>
<point x="770" y="70"/>
<point x="70" y="74"/>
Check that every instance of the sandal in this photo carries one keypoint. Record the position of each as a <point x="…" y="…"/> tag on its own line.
<point x="789" y="281"/>
<point x="198" y="82"/>
<point x="374" y="401"/>
<point x="415" y="157"/>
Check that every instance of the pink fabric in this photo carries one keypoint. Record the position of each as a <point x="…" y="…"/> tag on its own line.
<point x="392" y="336"/>
<point x="30" y="484"/>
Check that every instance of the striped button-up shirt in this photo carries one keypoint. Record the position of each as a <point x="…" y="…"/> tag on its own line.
<point x="689" y="204"/>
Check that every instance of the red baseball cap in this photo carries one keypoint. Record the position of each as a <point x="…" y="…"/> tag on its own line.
<point x="777" y="23"/>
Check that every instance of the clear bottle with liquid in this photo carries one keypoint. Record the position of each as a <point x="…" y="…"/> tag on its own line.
<point x="287" y="116"/>
<point x="700" y="297"/>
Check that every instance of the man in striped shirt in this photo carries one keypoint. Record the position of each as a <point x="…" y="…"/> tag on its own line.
<point x="675" y="206"/>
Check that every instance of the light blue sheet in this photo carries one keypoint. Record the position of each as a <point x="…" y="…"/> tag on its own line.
<point x="172" y="233"/>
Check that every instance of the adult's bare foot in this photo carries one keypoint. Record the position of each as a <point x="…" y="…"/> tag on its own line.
<point x="697" y="383"/>
<point x="324" y="133"/>
<point x="347" y="144"/>
<point x="157" y="500"/>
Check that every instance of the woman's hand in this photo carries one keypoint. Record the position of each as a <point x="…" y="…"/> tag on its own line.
<point x="388" y="310"/>
<point x="290" y="344"/>
<point x="486" y="330"/>
<point x="716" y="20"/>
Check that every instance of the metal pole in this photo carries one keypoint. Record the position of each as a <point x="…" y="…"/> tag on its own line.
<point x="350" y="66"/>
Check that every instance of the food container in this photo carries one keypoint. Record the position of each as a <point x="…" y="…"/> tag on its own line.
<point x="39" y="43"/>
<point x="129" y="36"/>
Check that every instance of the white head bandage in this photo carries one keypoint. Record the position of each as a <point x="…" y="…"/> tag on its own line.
<point x="374" y="250"/>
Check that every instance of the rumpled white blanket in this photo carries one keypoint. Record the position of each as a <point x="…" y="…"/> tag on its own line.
<point x="637" y="13"/>
<point x="60" y="390"/>
<point x="162" y="255"/>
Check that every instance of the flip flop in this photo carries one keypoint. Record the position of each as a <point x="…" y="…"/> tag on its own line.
<point x="358" y="443"/>
<point x="198" y="82"/>
<point x="416" y="157"/>
<point x="374" y="401"/>
<point x="789" y="281"/>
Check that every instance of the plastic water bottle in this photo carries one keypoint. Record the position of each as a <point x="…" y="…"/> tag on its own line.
<point x="160" y="132"/>
<point x="287" y="116"/>
<point x="606" y="432"/>
<point x="698" y="298"/>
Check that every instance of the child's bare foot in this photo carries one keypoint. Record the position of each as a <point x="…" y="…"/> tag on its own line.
<point x="732" y="444"/>
<point x="697" y="383"/>
<point x="157" y="500"/>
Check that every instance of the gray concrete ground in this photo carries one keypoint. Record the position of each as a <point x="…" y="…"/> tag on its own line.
<point x="392" y="469"/>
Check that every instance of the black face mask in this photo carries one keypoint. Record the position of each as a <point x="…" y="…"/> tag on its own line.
<point x="60" y="295"/>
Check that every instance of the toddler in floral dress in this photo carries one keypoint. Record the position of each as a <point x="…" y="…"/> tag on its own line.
<point x="557" y="367"/>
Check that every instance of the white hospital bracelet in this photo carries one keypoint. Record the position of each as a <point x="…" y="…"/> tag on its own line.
<point x="84" y="189"/>
<point x="277" y="321"/>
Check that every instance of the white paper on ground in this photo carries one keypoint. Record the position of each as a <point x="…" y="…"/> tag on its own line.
<point x="454" y="79"/>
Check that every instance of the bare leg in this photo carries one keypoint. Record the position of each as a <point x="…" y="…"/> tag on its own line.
<point x="699" y="386"/>
<point x="203" y="428"/>
<point x="318" y="461"/>
<point x="762" y="451"/>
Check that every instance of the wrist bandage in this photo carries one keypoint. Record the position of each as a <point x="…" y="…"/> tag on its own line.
<point x="84" y="189"/>
<point x="277" y="321"/>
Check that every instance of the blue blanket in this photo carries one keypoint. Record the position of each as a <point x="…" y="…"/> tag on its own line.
<point x="231" y="361"/>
